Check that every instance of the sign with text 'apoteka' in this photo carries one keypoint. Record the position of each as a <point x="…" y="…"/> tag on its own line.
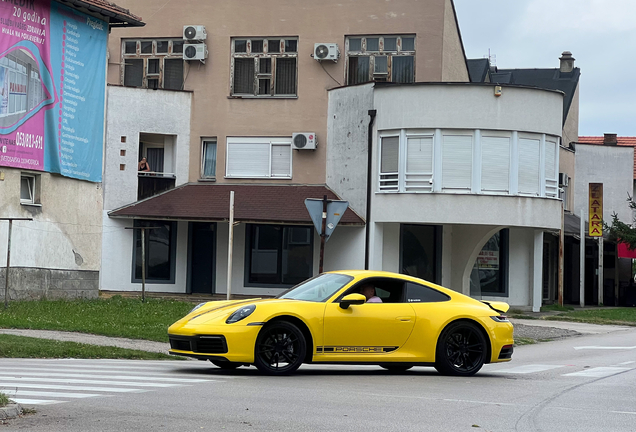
<point x="596" y="210"/>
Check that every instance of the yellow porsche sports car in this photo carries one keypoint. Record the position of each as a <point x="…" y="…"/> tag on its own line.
<point x="353" y="317"/>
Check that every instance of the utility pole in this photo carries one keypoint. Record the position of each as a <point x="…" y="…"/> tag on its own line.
<point x="230" y="248"/>
<point x="143" y="258"/>
<point x="6" y="279"/>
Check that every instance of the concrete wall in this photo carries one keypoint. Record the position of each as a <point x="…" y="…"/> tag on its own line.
<point x="453" y="62"/>
<point x="571" y="125"/>
<point x="65" y="233"/>
<point x="347" y="144"/>
<point x="133" y="111"/>
<point x="27" y="283"/>
<point x="567" y="165"/>
<point x="466" y="209"/>
<point x="468" y="106"/>
<point x="216" y="115"/>
<point x="614" y="167"/>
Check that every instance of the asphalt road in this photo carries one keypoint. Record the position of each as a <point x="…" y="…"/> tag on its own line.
<point x="585" y="383"/>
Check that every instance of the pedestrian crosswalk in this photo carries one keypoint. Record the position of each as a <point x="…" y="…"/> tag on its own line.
<point x="46" y="382"/>
<point x="566" y="370"/>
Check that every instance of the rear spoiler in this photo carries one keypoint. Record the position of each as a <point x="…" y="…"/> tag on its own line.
<point x="497" y="306"/>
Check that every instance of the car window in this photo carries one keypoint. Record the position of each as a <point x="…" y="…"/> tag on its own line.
<point x="389" y="290"/>
<point x="317" y="289"/>
<point x="416" y="293"/>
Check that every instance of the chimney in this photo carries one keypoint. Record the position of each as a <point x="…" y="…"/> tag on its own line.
<point x="610" y="139"/>
<point x="567" y="62"/>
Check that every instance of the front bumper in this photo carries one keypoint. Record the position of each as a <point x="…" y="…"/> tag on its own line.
<point x="229" y="342"/>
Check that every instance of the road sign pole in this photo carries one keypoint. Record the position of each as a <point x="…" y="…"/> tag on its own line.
<point x="323" y="234"/>
<point x="143" y="264"/>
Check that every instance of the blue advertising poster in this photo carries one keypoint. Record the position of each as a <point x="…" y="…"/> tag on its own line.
<point x="52" y="84"/>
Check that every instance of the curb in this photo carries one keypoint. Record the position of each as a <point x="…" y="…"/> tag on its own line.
<point x="10" y="411"/>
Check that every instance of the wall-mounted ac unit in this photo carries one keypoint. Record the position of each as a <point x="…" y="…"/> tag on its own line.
<point x="194" y="32"/>
<point x="326" y="51"/>
<point x="304" y="141"/>
<point x="197" y="51"/>
<point x="564" y="180"/>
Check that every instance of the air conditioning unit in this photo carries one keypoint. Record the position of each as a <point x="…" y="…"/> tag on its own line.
<point x="326" y="51"/>
<point x="564" y="180"/>
<point x="197" y="51"/>
<point x="194" y="32"/>
<point x="304" y="141"/>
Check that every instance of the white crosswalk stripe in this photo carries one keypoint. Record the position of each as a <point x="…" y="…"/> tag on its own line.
<point x="46" y="382"/>
<point x="598" y="372"/>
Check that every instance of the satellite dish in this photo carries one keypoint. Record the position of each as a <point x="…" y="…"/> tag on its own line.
<point x="300" y="141"/>
<point x="190" y="32"/>
<point x="322" y="51"/>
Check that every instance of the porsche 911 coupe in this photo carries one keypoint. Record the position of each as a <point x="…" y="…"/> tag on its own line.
<point x="349" y="317"/>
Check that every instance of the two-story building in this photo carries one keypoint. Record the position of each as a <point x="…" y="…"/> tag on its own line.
<point x="463" y="178"/>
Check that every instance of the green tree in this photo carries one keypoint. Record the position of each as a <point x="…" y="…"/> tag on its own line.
<point x="619" y="230"/>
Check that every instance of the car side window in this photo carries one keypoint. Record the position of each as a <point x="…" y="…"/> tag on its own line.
<point x="416" y="293"/>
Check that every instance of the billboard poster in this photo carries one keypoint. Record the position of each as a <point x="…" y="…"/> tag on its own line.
<point x="52" y="84"/>
<point x="595" y="228"/>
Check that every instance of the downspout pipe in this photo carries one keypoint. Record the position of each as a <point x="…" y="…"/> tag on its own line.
<point x="372" y="114"/>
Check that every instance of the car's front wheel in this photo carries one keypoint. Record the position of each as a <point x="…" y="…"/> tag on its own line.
<point x="461" y="349"/>
<point x="280" y="348"/>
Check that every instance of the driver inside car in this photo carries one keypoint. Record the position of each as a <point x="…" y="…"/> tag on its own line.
<point x="368" y="291"/>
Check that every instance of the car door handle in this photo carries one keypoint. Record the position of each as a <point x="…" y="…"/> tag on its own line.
<point x="404" y="319"/>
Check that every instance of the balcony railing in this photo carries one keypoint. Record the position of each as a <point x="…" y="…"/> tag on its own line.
<point x="151" y="183"/>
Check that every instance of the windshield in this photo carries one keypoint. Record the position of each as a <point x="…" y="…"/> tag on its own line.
<point x="318" y="289"/>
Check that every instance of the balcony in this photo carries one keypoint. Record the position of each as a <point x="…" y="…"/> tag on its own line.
<point x="151" y="183"/>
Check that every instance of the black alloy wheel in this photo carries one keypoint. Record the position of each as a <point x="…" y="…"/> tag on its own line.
<point x="396" y="367"/>
<point x="280" y="348"/>
<point x="461" y="350"/>
<point x="226" y="365"/>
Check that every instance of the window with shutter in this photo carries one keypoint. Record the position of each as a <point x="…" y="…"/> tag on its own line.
<point x="551" y="174"/>
<point x="495" y="164"/>
<point x="457" y="161"/>
<point x="419" y="163"/>
<point x="389" y="162"/>
<point x="529" y="159"/>
<point x="258" y="158"/>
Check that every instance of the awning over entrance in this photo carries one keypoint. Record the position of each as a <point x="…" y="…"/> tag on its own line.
<point x="252" y="203"/>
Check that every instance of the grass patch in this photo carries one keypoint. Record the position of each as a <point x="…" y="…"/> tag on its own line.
<point x="617" y="316"/>
<point x="4" y="400"/>
<point x="28" y="347"/>
<point x="556" y="308"/>
<point x="524" y="341"/>
<point x="116" y="316"/>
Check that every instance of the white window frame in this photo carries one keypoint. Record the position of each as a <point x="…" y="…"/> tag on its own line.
<point x="204" y="142"/>
<point x="32" y="185"/>
<point x="272" y="142"/>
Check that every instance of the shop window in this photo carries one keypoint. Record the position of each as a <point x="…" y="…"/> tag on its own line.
<point x="160" y="251"/>
<point x="490" y="272"/>
<point x="420" y="251"/>
<point x="278" y="255"/>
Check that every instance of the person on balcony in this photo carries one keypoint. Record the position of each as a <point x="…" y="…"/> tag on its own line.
<point x="143" y="165"/>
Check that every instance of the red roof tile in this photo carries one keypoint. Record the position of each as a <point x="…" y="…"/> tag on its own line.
<point x="621" y="141"/>
<point x="252" y="203"/>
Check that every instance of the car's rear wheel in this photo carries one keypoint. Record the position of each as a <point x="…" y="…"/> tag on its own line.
<point x="280" y="348"/>
<point x="461" y="349"/>
<point x="396" y="367"/>
<point x="226" y="364"/>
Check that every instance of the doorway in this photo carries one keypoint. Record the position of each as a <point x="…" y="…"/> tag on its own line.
<point x="202" y="257"/>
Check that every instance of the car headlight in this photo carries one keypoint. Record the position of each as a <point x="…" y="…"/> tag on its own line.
<point x="196" y="307"/>
<point x="240" y="314"/>
<point x="500" y="318"/>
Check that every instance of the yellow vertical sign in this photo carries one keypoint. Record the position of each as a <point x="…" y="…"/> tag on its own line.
<point x="596" y="210"/>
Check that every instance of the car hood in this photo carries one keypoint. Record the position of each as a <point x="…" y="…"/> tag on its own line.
<point x="214" y="310"/>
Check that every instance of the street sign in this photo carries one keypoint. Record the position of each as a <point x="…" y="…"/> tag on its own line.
<point x="335" y="211"/>
<point x="596" y="210"/>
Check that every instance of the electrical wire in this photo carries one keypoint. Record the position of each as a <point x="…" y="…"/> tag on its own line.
<point x="330" y="76"/>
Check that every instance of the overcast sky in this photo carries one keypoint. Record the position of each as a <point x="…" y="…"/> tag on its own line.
<point x="601" y="34"/>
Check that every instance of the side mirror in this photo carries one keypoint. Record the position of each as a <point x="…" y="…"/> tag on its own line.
<point x="352" y="299"/>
